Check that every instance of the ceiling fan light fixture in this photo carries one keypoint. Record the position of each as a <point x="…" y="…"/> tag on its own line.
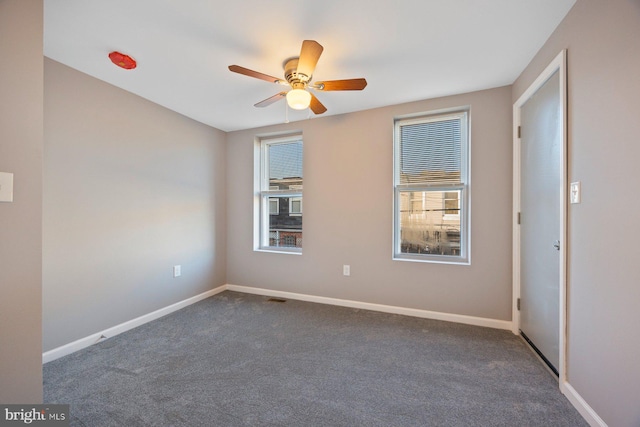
<point x="298" y="99"/>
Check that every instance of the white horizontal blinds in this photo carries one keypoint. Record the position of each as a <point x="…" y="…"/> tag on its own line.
<point x="285" y="164"/>
<point x="431" y="152"/>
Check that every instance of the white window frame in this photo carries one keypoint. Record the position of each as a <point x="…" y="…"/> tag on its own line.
<point x="263" y="191"/>
<point x="463" y="186"/>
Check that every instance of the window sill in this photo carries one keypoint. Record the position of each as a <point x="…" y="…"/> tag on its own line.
<point x="289" y="251"/>
<point x="433" y="259"/>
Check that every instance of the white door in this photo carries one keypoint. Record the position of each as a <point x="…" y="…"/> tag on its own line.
<point x="541" y="245"/>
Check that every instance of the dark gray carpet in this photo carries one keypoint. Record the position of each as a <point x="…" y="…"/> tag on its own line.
<point x="239" y="360"/>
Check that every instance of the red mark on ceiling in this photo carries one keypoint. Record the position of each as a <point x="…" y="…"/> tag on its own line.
<point x="122" y="60"/>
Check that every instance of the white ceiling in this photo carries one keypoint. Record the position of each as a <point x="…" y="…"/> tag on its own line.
<point x="407" y="50"/>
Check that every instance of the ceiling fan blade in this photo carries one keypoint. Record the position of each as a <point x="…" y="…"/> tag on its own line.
<point x="350" y="84"/>
<point x="316" y="106"/>
<point x="271" y="99"/>
<point x="309" y="55"/>
<point x="247" y="72"/>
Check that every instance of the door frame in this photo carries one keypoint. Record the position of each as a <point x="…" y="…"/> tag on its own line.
<point x="558" y="64"/>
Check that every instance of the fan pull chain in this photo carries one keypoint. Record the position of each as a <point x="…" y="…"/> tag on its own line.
<point x="286" y="112"/>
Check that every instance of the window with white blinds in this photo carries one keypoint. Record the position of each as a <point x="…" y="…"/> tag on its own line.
<point x="285" y="161"/>
<point x="279" y="194"/>
<point x="431" y="152"/>
<point x="431" y="164"/>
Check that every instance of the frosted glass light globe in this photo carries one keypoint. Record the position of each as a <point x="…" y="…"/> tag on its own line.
<point x="298" y="99"/>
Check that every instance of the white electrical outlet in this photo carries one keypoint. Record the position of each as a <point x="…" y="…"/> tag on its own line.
<point x="177" y="271"/>
<point x="346" y="270"/>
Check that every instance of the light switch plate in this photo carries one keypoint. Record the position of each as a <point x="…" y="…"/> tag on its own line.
<point x="574" y="192"/>
<point x="6" y="187"/>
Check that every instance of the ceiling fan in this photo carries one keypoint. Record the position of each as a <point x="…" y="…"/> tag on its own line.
<point x="298" y="72"/>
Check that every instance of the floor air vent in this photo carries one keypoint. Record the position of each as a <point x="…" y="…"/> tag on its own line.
<point x="277" y="300"/>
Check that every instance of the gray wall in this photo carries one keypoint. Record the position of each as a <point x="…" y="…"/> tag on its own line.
<point x="602" y="39"/>
<point x="348" y="194"/>
<point x="21" y="145"/>
<point x="130" y="190"/>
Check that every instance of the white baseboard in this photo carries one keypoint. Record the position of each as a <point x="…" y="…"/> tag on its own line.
<point x="572" y="395"/>
<point x="414" y="312"/>
<point x="87" y="341"/>
<point x="74" y="346"/>
<point x="582" y="406"/>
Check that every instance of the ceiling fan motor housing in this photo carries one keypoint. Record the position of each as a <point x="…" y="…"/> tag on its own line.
<point x="297" y="81"/>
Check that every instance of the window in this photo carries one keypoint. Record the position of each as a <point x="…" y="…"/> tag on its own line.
<point x="451" y="205"/>
<point x="295" y="206"/>
<point x="279" y="194"/>
<point x="431" y="178"/>
<point x="274" y="206"/>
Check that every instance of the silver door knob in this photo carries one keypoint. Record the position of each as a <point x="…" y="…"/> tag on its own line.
<point x="556" y="245"/>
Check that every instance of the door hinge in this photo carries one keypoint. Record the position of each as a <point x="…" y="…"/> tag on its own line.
<point x="519" y="131"/>
<point x="518" y="304"/>
<point x="518" y="218"/>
